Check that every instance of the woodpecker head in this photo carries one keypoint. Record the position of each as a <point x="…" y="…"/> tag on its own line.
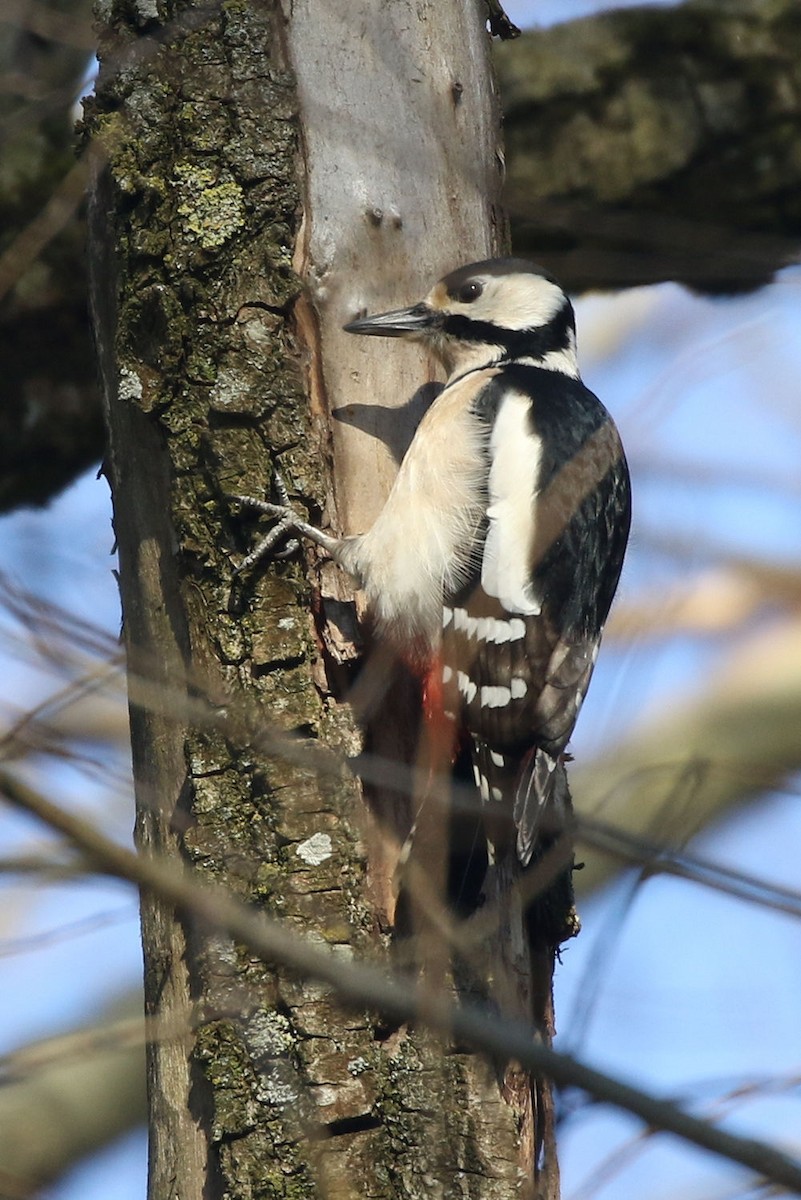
<point x="501" y="310"/>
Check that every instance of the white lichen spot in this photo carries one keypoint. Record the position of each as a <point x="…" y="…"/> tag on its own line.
<point x="227" y="390"/>
<point x="357" y="1066"/>
<point x="269" y="1034"/>
<point x="146" y="10"/>
<point x="130" y="385"/>
<point x="286" y="623"/>
<point x="221" y="950"/>
<point x="275" y="1091"/>
<point x="324" y="1095"/>
<point x="316" y="849"/>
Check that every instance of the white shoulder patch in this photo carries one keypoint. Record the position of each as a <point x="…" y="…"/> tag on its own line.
<point x="515" y="453"/>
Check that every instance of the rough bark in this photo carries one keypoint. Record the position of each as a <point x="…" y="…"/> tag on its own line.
<point x="206" y="340"/>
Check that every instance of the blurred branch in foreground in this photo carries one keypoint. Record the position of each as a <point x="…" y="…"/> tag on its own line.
<point x="720" y="600"/>
<point x="49" y="627"/>
<point x="66" y="1096"/>
<point x="690" y="764"/>
<point x="359" y="984"/>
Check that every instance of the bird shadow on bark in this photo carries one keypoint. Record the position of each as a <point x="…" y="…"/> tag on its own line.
<point x="395" y="427"/>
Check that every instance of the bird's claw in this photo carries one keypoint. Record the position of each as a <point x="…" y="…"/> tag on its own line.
<point x="287" y="522"/>
<point x="280" y="488"/>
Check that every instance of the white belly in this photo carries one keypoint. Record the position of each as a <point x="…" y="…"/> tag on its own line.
<point x="428" y="535"/>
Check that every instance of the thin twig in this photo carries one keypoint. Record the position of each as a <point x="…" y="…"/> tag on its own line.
<point x="656" y="859"/>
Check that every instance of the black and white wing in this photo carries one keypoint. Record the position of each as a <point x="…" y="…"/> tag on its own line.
<point x="520" y="640"/>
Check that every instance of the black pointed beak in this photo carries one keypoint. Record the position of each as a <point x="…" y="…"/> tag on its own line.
<point x="401" y="322"/>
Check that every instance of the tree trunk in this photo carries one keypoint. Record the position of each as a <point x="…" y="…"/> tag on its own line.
<point x="249" y="146"/>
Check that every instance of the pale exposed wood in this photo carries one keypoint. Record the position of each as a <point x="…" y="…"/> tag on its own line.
<point x="403" y="176"/>
<point x="402" y="184"/>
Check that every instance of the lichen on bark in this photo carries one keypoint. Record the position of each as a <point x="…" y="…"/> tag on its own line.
<point x="197" y="211"/>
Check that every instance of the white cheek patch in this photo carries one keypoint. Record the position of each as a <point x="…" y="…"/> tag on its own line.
<point x="520" y="301"/>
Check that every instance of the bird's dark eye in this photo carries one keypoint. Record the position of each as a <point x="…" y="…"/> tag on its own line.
<point x="470" y="292"/>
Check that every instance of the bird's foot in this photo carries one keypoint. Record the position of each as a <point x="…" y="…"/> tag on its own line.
<point x="288" y="523"/>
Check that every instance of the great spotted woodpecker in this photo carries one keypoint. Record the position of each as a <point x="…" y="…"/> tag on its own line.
<point x="492" y="565"/>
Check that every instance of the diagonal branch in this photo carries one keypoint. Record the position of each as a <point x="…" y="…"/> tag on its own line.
<point x="359" y="984"/>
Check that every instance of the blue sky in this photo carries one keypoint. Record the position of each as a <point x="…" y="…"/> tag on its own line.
<point x="526" y="13"/>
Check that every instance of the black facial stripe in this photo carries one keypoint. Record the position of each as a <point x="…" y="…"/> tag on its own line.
<point x="517" y="343"/>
